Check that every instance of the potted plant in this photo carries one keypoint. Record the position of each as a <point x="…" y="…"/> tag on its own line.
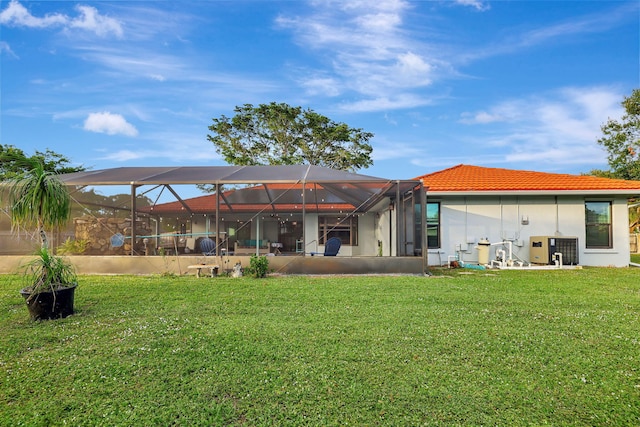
<point x="38" y="198"/>
<point x="51" y="286"/>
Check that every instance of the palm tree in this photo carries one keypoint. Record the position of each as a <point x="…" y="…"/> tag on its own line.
<point x="38" y="198"/>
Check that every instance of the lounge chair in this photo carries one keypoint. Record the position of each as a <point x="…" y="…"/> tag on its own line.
<point x="331" y="247"/>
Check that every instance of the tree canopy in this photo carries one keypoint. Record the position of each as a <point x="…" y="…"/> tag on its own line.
<point x="622" y="141"/>
<point x="279" y="134"/>
<point x="14" y="162"/>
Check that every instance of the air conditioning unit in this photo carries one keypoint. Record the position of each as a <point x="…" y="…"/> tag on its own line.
<point x="542" y="248"/>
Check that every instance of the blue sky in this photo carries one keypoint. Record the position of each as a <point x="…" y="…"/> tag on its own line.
<point x="512" y="84"/>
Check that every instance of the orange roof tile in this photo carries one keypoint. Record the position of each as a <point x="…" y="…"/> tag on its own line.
<point x="207" y="203"/>
<point x="466" y="178"/>
<point x="209" y="207"/>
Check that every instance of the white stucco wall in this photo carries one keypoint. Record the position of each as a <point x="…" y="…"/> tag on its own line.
<point x="466" y="220"/>
<point x="367" y="236"/>
<point x="384" y="225"/>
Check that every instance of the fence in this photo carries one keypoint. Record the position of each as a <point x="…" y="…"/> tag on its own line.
<point x="633" y="243"/>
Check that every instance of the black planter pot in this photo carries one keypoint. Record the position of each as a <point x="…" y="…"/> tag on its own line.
<point x="50" y="305"/>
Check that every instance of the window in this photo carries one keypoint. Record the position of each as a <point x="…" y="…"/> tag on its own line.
<point x="433" y="225"/>
<point x="346" y="229"/>
<point x="598" y="224"/>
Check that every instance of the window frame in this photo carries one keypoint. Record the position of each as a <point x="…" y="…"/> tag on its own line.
<point x="434" y="225"/>
<point x="336" y="225"/>
<point x="593" y="222"/>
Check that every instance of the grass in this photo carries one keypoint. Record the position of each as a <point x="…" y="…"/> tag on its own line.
<point x="507" y="348"/>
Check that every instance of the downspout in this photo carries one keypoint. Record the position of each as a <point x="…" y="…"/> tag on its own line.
<point x="501" y="218"/>
<point x="557" y="216"/>
<point x="466" y="220"/>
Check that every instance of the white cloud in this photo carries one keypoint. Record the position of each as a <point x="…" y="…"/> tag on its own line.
<point x="142" y="63"/>
<point x="379" y="22"/>
<point x="560" y="127"/>
<point x="111" y="124"/>
<point x="400" y="101"/>
<point x="592" y="23"/>
<point x="381" y="5"/>
<point x="125" y="155"/>
<point x="89" y="19"/>
<point x="396" y="150"/>
<point x="557" y="155"/>
<point x="367" y="49"/>
<point x="17" y="15"/>
<point x="557" y="32"/>
<point x="4" y="47"/>
<point x="161" y="147"/>
<point x="319" y="85"/>
<point x="479" y="117"/>
<point x="413" y="70"/>
<point x="477" y="4"/>
<point x="506" y="111"/>
<point x="390" y="120"/>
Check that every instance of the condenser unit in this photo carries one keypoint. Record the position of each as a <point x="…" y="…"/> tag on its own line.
<point x="543" y="248"/>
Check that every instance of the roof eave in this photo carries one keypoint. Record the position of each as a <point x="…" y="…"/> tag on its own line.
<point x="627" y="193"/>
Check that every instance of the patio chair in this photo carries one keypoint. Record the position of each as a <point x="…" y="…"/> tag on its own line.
<point x="331" y="247"/>
<point x="207" y="246"/>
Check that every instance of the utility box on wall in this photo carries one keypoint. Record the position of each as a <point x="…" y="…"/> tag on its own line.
<point x="543" y="248"/>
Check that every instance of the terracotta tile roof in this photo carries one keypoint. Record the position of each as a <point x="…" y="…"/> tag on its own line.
<point x="206" y="204"/>
<point x="466" y="178"/>
<point x="209" y="206"/>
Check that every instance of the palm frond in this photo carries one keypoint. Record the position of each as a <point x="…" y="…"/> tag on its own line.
<point x="38" y="199"/>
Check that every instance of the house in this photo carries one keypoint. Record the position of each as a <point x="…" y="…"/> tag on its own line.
<point x="529" y="215"/>
<point x="473" y="214"/>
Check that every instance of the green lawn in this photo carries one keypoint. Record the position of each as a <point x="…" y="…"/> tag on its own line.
<point x="508" y="348"/>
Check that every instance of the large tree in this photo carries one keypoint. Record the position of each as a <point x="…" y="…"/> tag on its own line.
<point x="621" y="139"/>
<point x="279" y="134"/>
<point x="14" y="162"/>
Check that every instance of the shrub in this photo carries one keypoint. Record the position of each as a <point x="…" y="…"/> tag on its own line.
<point x="47" y="272"/>
<point x="258" y="266"/>
<point x="73" y="247"/>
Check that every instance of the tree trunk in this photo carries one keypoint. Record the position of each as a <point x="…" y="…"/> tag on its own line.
<point x="43" y="236"/>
